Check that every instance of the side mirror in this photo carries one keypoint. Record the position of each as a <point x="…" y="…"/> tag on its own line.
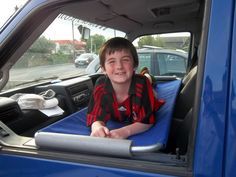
<point x="84" y="31"/>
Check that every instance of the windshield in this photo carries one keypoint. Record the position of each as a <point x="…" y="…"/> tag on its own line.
<point x="53" y="55"/>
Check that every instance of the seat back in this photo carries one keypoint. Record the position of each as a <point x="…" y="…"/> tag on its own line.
<point x="182" y="121"/>
<point x="185" y="98"/>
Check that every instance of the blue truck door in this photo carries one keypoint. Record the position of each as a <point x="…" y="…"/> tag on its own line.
<point x="230" y="152"/>
<point x="212" y="117"/>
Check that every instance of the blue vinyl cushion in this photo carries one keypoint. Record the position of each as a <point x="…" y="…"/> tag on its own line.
<point x="76" y="123"/>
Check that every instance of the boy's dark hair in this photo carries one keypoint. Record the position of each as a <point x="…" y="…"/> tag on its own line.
<point x="117" y="44"/>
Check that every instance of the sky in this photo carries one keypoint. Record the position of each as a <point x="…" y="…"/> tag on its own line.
<point x="7" y="8"/>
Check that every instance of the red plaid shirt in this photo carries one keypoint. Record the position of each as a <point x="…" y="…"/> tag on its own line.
<point x="138" y="107"/>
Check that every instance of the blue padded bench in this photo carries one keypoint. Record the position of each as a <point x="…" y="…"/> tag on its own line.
<point x="71" y="133"/>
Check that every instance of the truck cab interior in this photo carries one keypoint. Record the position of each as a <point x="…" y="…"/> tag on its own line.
<point x="134" y="19"/>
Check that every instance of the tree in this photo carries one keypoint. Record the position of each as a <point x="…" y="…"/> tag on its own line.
<point x="186" y="44"/>
<point x="97" y="41"/>
<point x="150" y="40"/>
<point x="159" y="42"/>
<point x="42" y="45"/>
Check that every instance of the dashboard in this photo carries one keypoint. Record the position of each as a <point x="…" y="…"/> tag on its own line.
<point x="73" y="95"/>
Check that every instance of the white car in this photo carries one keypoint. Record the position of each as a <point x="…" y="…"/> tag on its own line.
<point x="84" y="59"/>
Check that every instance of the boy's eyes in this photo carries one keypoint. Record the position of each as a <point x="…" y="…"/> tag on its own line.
<point x="126" y="59"/>
<point x="110" y="61"/>
<point x="113" y="61"/>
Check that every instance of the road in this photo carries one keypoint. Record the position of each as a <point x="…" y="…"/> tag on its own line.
<point x="60" y="71"/>
<point x="52" y="72"/>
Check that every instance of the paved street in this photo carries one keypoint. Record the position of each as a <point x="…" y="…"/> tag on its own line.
<point x="44" y="73"/>
<point x="61" y="71"/>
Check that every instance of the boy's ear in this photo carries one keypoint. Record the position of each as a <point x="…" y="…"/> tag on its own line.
<point x="103" y="69"/>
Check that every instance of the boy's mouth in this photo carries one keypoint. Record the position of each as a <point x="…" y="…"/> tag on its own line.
<point x="120" y="73"/>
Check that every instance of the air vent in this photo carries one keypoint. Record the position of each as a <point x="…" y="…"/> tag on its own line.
<point x="9" y="115"/>
<point x="9" y="110"/>
<point x="77" y="88"/>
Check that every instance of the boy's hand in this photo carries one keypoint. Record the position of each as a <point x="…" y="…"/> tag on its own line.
<point x="99" y="130"/>
<point x="132" y="129"/>
<point x="120" y="133"/>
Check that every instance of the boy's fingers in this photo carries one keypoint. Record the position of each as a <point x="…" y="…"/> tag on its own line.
<point x="101" y="132"/>
<point x="106" y="130"/>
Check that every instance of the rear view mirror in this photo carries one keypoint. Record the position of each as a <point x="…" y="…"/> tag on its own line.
<point x="84" y="31"/>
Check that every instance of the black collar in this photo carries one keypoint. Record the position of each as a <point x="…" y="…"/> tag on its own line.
<point x="110" y="89"/>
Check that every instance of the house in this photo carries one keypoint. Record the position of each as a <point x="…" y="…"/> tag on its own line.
<point x="70" y="46"/>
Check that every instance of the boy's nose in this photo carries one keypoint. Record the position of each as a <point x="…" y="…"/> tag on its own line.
<point x="119" y="64"/>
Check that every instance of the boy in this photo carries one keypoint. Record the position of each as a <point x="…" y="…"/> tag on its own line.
<point x="121" y="94"/>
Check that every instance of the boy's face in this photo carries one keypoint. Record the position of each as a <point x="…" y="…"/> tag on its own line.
<point x="119" y="66"/>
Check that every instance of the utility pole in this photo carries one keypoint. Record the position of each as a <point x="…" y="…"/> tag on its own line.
<point x="73" y="39"/>
<point x="91" y="45"/>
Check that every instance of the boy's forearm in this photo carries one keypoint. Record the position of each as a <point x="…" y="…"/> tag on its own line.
<point x="136" y="128"/>
<point x="99" y="129"/>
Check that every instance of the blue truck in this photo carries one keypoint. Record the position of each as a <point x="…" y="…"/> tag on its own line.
<point x="201" y="135"/>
